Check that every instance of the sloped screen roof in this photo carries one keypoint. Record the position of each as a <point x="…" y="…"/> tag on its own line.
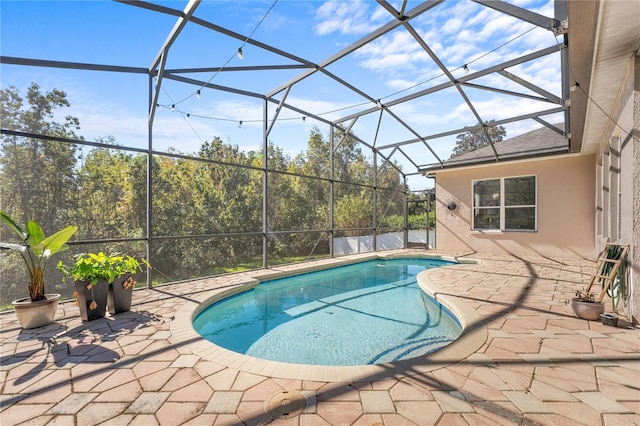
<point x="537" y="143"/>
<point x="404" y="77"/>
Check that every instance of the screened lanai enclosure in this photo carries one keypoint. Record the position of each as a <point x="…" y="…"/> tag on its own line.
<point x="213" y="136"/>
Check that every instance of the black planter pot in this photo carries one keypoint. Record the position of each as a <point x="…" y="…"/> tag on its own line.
<point x="119" y="299"/>
<point x="98" y="293"/>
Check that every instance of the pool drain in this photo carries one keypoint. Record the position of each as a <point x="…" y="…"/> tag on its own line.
<point x="285" y="404"/>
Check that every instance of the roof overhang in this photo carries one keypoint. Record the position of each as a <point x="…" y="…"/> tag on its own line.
<point x="481" y="164"/>
<point x="603" y="37"/>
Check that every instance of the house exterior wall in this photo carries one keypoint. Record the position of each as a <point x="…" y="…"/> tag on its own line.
<point x="633" y="310"/>
<point x="618" y="185"/>
<point x="565" y="209"/>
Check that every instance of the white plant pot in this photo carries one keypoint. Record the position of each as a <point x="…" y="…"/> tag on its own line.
<point x="587" y="310"/>
<point x="36" y="314"/>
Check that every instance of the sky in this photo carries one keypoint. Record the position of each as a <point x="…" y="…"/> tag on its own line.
<point x="459" y="32"/>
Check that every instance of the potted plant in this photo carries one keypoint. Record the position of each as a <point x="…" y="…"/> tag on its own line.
<point x="102" y="281"/>
<point x="586" y="307"/>
<point x="611" y="274"/>
<point x="88" y="274"/>
<point x="122" y="283"/>
<point x="36" y="249"/>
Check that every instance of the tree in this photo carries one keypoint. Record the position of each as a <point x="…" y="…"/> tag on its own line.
<point x="37" y="180"/>
<point x="207" y="212"/>
<point x="476" y="138"/>
<point x="104" y="193"/>
<point x="36" y="175"/>
<point x="390" y="191"/>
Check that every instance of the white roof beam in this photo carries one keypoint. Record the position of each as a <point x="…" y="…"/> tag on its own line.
<point x="541" y="21"/>
<point x="392" y="10"/>
<point x="219" y="29"/>
<point x="70" y="65"/>
<point x="375" y="137"/>
<point x="553" y="98"/>
<point x="387" y="160"/>
<point x="344" y="135"/>
<point x="475" y="127"/>
<point x="549" y="126"/>
<point x="450" y="76"/>
<point x="423" y="7"/>
<point x="496" y="68"/>
<point x="213" y="86"/>
<point x="150" y="6"/>
<point x="235" y="69"/>
<point x="509" y="92"/>
<point x="156" y="92"/>
<point x="404" y="154"/>
<point x="175" y="32"/>
<point x="278" y="109"/>
<point x="414" y="132"/>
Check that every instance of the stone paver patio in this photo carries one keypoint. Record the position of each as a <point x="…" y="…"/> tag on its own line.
<point x="535" y="362"/>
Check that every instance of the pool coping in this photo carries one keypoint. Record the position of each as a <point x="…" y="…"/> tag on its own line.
<point x="473" y="337"/>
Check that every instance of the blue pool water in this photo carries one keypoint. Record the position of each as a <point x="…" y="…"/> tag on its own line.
<point x="367" y="313"/>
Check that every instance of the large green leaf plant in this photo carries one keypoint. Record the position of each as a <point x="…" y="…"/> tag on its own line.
<point x="36" y="249"/>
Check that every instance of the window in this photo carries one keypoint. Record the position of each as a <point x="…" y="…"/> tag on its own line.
<point x="507" y="204"/>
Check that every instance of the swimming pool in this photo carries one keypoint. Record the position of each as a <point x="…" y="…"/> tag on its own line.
<point x="367" y="313"/>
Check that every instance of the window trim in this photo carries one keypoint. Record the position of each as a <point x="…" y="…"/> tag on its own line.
<point x="502" y="207"/>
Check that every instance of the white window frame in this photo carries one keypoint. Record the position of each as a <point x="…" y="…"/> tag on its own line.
<point x="502" y="208"/>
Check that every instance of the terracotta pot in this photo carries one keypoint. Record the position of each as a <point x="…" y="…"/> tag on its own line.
<point x="587" y="310"/>
<point x="36" y="314"/>
<point x="86" y="296"/>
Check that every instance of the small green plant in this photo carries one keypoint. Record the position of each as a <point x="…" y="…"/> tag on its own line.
<point x="36" y="250"/>
<point x="92" y="267"/>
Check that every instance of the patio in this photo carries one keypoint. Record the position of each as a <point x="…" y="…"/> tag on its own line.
<point x="539" y="365"/>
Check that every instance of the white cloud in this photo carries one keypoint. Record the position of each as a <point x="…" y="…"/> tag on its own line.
<point x="455" y="54"/>
<point x="392" y="61"/>
<point x="498" y="108"/>
<point x="417" y="117"/>
<point x="397" y="52"/>
<point x="381" y="15"/>
<point x="236" y="110"/>
<point x="323" y="107"/>
<point x="345" y="17"/>
<point x="469" y="33"/>
<point x="127" y="129"/>
<point x="399" y="83"/>
<point x="458" y="32"/>
<point x="453" y="25"/>
<point x="545" y="9"/>
<point x="230" y="112"/>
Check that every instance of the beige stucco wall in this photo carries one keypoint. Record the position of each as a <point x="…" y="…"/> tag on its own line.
<point x="619" y="157"/>
<point x="566" y="209"/>
<point x="633" y="309"/>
